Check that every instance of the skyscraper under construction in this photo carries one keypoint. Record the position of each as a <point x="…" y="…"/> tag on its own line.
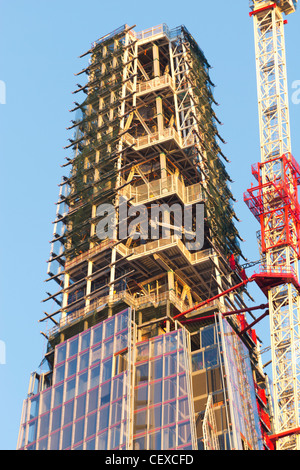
<point x="151" y="346"/>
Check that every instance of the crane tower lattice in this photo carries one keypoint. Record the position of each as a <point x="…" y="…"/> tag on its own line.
<point x="274" y="202"/>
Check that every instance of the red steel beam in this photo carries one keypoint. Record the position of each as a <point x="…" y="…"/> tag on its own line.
<point x="225" y="314"/>
<point x="268" y="7"/>
<point x="205" y="302"/>
<point x="283" y="434"/>
<point x="254" y="323"/>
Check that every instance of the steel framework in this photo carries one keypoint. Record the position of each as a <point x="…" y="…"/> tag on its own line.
<point x="146" y="133"/>
<point x="274" y="202"/>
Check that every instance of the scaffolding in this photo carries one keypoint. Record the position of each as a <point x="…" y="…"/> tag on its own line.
<point x="146" y="132"/>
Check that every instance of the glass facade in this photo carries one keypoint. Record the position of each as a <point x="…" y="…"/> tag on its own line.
<point x="86" y="406"/>
<point x="100" y="381"/>
<point x="163" y="408"/>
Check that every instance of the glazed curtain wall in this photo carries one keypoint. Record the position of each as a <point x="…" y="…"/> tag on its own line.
<point x="86" y="405"/>
<point x="241" y="390"/>
<point x="89" y="402"/>
<point x="163" y="407"/>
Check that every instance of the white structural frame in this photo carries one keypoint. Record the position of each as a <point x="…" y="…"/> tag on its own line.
<point x="210" y="438"/>
<point x="284" y="300"/>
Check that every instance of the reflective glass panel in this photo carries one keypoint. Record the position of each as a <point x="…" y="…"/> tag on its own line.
<point x="79" y="431"/>
<point x="155" y="417"/>
<point x="58" y="395"/>
<point x="44" y="425"/>
<point x="85" y="340"/>
<point x="211" y="357"/>
<point x="115" y="436"/>
<point x="102" y="440"/>
<point x="95" y="376"/>
<point x="68" y="412"/>
<point x="54" y="441"/>
<point x="34" y="407"/>
<point x="56" y="419"/>
<point x="73" y="347"/>
<point x="141" y="397"/>
<point x="106" y="370"/>
<point x="67" y="436"/>
<point x="155" y="392"/>
<point x="60" y="373"/>
<point x="92" y="400"/>
<point x="90" y="445"/>
<point x="45" y="401"/>
<point x="109" y="328"/>
<point x="169" y="437"/>
<point x="91" y="424"/>
<point x="156" y="369"/>
<point x="70" y="389"/>
<point x="83" y="361"/>
<point x="105" y="393"/>
<point x="80" y="406"/>
<point x="60" y="353"/>
<point x="97" y="334"/>
<point x="104" y="418"/>
<point x="82" y="383"/>
<point x="96" y="354"/>
<point x="71" y="367"/>
<point x="170" y="364"/>
<point x="108" y="347"/>
<point x="207" y="337"/>
<point x="32" y="431"/>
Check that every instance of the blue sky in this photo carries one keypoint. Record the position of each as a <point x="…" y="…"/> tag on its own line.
<point x="40" y="42"/>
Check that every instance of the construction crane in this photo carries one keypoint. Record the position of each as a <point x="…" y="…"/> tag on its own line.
<point x="274" y="202"/>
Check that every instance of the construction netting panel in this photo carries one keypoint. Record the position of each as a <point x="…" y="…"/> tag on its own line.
<point x="86" y="406"/>
<point x="163" y="409"/>
<point x="246" y="431"/>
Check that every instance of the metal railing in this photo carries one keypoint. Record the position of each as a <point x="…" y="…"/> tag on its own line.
<point x="135" y="302"/>
<point x="193" y="258"/>
<point x="104" y="245"/>
<point x="159" y="137"/>
<point x="157" y="82"/>
<point x="154" y="31"/>
<point x="161" y="188"/>
<point x="151" y="139"/>
<point x="109" y="35"/>
<point x="154" y="246"/>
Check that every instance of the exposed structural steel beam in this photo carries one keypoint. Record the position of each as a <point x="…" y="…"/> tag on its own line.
<point x="221" y="294"/>
<point x="225" y="314"/>
<point x="262" y="9"/>
<point x="274" y="202"/>
<point x="276" y="437"/>
<point x="249" y="327"/>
